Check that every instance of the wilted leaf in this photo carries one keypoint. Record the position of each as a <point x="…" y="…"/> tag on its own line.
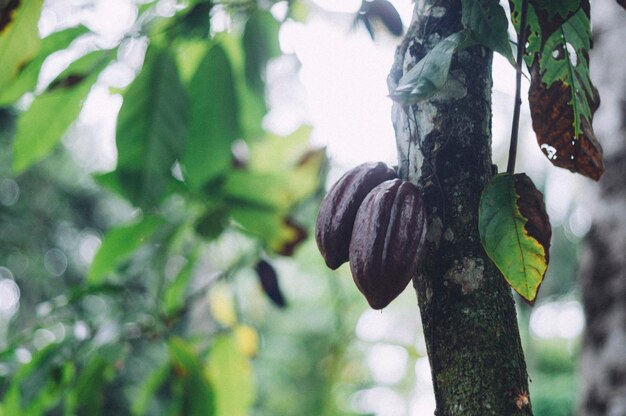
<point x="42" y="126"/>
<point x="19" y="37"/>
<point x="119" y="245"/>
<point x="553" y="113"/>
<point x="561" y="96"/>
<point x="269" y="282"/>
<point x="151" y="129"/>
<point x="515" y="231"/>
<point x="488" y="25"/>
<point x="431" y="72"/>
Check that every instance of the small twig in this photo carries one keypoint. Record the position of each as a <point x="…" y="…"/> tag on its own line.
<point x="521" y="42"/>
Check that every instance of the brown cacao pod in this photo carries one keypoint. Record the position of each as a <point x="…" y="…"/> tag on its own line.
<point x="333" y="228"/>
<point x="387" y="240"/>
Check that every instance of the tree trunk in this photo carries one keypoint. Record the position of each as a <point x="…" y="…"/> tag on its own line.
<point x="467" y="309"/>
<point x="603" y="264"/>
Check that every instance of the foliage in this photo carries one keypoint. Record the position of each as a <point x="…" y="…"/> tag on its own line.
<point x="562" y="98"/>
<point x="167" y="316"/>
<point x="557" y="54"/>
<point x="190" y="215"/>
<point x="515" y="231"/>
<point x="554" y="40"/>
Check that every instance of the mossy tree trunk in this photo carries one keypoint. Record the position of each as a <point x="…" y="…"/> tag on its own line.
<point x="467" y="309"/>
<point x="603" y="263"/>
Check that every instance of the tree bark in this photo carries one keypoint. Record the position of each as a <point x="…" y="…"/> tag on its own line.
<point x="603" y="264"/>
<point x="467" y="309"/>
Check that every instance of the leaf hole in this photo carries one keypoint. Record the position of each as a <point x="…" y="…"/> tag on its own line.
<point x="571" y="52"/>
<point x="549" y="151"/>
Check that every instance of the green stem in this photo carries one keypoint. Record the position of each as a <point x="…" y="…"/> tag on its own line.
<point x="521" y="42"/>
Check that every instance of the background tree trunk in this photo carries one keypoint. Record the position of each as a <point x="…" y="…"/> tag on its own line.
<point x="467" y="309"/>
<point x="603" y="264"/>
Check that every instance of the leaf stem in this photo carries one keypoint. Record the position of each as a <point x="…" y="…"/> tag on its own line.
<point x="521" y="42"/>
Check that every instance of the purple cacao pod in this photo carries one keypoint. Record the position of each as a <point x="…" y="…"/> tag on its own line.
<point x="333" y="228"/>
<point x="387" y="241"/>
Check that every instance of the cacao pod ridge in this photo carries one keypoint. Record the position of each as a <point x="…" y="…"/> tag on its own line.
<point x="333" y="228"/>
<point x="387" y="241"/>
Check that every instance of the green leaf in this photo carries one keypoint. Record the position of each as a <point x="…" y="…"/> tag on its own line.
<point x="431" y="72"/>
<point x="27" y="80"/>
<point x="280" y="234"/>
<point x="299" y="11"/>
<point x="282" y="172"/>
<point x="151" y="130"/>
<point x="231" y="375"/>
<point x="285" y="166"/>
<point x="260" y="44"/>
<point x="42" y="126"/>
<point x="19" y="38"/>
<point x="533" y="35"/>
<point x="278" y="190"/>
<point x="174" y="296"/>
<point x="195" y="21"/>
<point x="279" y="153"/>
<point x="263" y="190"/>
<point x="488" y="25"/>
<point x="189" y="54"/>
<point x="252" y="106"/>
<point x="29" y="381"/>
<point x="88" y="395"/>
<point x="515" y="231"/>
<point x="149" y="389"/>
<point x="198" y="399"/>
<point x="213" y="221"/>
<point x="558" y="7"/>
<point x="214" y="122"/>
<point x="119" y="245"/>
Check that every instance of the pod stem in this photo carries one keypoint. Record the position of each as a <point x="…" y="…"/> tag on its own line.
<point x="521" y="42"/>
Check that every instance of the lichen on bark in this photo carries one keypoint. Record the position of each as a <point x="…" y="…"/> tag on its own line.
<point x="444" y="145"/>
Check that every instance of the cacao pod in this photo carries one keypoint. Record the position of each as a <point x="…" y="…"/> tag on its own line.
<point x="387" y="241"/>
<point x="338" y="209"/>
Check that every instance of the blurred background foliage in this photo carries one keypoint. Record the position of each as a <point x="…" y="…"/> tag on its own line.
<point x="179" y="280"/>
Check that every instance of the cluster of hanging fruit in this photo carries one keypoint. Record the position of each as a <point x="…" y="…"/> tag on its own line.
<point x="377" y="222"/>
